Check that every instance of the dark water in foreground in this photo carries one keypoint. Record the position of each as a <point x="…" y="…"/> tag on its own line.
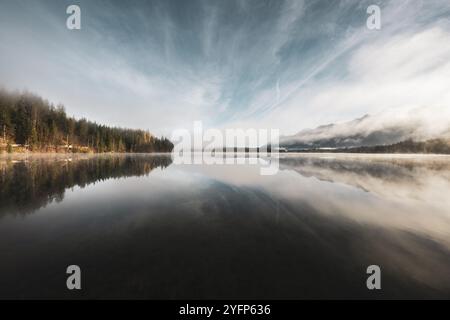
<point x="142" y="227"/>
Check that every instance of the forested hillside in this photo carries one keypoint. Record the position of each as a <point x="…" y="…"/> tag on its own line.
<point x="436" y="146"/>
<point x="28" y="122"/>
<point x="433" y="146"/>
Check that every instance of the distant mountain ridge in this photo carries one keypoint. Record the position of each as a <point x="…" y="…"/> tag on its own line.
<point x="367" y="131"/>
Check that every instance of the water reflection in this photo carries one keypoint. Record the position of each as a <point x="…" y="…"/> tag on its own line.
<point x="407" y="172"/>
<point x="225" y="231"/>
<point x="29" y="183"/>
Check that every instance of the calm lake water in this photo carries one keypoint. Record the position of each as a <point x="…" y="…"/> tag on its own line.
<point x="140" y="226"/>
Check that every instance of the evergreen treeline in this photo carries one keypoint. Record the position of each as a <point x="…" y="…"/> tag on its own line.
<point x="28" y="121"/>
<point x="435" y="146"/>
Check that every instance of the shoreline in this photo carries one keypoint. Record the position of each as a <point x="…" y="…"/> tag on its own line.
<point x="16" y="155"/>
<point x="361" y="154"/>
<point x="78" y="154"/>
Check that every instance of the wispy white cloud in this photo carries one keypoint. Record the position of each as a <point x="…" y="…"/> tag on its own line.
<point x="398" y="70"/>
<point x="283" y="64"/>
<point x="396" y="76"/>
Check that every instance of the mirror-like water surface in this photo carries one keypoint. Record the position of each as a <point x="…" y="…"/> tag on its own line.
<point x="140" y="226"/>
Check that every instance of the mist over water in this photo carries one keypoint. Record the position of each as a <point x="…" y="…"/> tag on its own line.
<point x="140" y="226"/>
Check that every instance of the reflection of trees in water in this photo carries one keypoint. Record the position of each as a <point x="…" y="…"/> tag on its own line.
<point x="29" y="185"/>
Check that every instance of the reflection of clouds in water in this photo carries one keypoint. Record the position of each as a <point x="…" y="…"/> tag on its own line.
<point x="396" y="210"/>
<point x="406" y="193"/>
<point x="309" y="231"/>
<point x="403" y="178"/>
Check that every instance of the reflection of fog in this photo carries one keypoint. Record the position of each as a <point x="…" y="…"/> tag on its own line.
<point x="28" y="183"/>
<point x="367" y="173"/>
<point x="403" y="193"/>
<point x="407" y="193"/>
<point x="393" y="211"/>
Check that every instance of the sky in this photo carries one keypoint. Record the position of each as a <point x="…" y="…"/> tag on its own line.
<point x="283" y="64"/>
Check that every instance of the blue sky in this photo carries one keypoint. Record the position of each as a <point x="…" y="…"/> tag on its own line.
<point x="293" y="64"/>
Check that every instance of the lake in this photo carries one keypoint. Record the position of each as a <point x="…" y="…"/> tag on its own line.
<point x="141" y="226"/>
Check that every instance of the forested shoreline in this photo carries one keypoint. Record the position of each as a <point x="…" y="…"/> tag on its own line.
<point x="432" y="146"/>
<point x="30" y="123"/>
